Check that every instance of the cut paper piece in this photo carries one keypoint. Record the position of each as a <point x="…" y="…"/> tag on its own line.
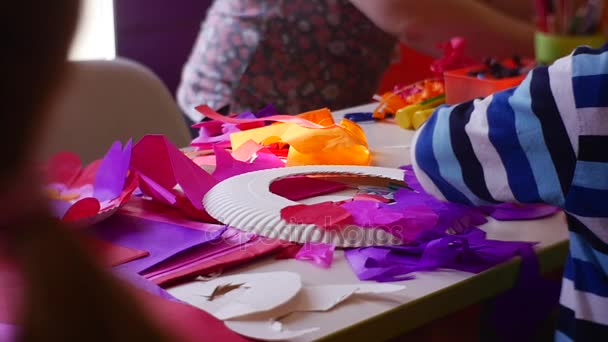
<point x="245" y="202"/>
<point x="231" y="240"/>
<point x="299" y="188"/>
<point x="247" y="150"/>
<point x="217" y="133"/>
<point x="326" y="297"/>
<point x="214" y="133"/>
<point x="313" y="137"/>
<point x="403" y="223"/>
<point x="267" y="330"/>
<point x="370" y="213"/>
<point x="327" y="215"/>
<point x="204" y="160"/>
<point x="371" y="197"/>
<point x="230" y="255"/>
<point x="161" y="240"/>
<point x="165" y="167"/>
<point x="289" y="252"/>
<point x="228" y="167"/>
<point x="512" y="211"/>
<point x="322" y="298"/>
<point x="111" y="175"/>
<point x="210" y="113"/>
<point x="82" y="209"/>
<point x="343" y="144"/>
<point x="454" y="217"/>
<point x="182" y="321"/>
<point x="319" y="254"/>
<point x="257" y="292"/>
<point x="234" y="248"/>
<point x="470" y="252"/>
<point x="93" y="193"/>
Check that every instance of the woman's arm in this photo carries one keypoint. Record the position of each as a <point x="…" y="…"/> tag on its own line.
<point x="423" y="24"/>
<point x="520" y="9"/>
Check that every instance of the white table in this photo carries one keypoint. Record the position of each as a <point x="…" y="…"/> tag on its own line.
<point x="432" y="294"/>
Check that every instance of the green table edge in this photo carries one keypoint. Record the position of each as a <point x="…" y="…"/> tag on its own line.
<point x="414" y="314"/>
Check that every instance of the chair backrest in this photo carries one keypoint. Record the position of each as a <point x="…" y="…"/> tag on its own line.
<point x="104" y="101"/>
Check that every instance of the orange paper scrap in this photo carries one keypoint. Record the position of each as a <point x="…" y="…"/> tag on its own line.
<point x="313" y="137"/>
<point x="343" y="144"/>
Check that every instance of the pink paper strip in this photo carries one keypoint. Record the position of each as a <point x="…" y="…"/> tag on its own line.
<point x="210" y="113"/>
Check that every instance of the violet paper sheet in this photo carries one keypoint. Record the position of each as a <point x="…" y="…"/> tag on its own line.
<point x="469" y="252"/>
<point x="162" y="240"/>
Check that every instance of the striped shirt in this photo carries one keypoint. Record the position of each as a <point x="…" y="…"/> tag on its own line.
<point x="543" y="141"/>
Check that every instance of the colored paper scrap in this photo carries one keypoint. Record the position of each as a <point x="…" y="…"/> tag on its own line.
<point x="234" y="248"/>
<point x="404" y="223"/>
<point x="469" y="252"/>
<point x="230" y="255"/>
<point x="217" y="133"/>
<point x="90" y="194"/>
<point x="166" y="170"/>
<point x="313" y="138"/>
<point x="111" y="175"/>
<point x="227" y="166"/>
<point x="162" y="240"/>
<point x="302" y="187"/>
<point x="327" y="215"/>
<point x="320" y="254"/>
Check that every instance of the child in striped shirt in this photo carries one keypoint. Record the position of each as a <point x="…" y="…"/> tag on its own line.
<point x="543" y="141"/>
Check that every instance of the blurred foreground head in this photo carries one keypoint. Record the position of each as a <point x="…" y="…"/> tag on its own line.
<point x="68" y="297"/>
<point x="36" y="39"/>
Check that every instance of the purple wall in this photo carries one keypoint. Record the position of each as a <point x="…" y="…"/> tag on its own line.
<point x="158" y="33"/>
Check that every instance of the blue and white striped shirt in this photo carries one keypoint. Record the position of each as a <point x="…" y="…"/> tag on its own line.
<point x="543" y="141"/>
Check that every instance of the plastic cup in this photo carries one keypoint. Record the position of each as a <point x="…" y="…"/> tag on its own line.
<point x="550" y="47"/>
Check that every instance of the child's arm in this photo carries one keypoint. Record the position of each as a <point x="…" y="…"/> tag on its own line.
<point x="423" y="24"/>
<point x="520" y="144"/>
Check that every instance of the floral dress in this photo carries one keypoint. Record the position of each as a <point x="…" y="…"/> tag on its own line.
<point x="296" y="54"/>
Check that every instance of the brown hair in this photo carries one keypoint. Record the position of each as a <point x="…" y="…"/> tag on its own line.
<point x="68" y="297"/>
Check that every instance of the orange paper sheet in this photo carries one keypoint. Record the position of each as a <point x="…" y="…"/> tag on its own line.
<point x="333" y="144"/>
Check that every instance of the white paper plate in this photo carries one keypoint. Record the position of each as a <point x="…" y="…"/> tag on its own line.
<point x="245" y="202"/>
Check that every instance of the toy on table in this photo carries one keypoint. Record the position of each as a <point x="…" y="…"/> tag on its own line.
<point x="482" y="80"/>
<point x="404" y="96"/>
<point x="413" y="116"/>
